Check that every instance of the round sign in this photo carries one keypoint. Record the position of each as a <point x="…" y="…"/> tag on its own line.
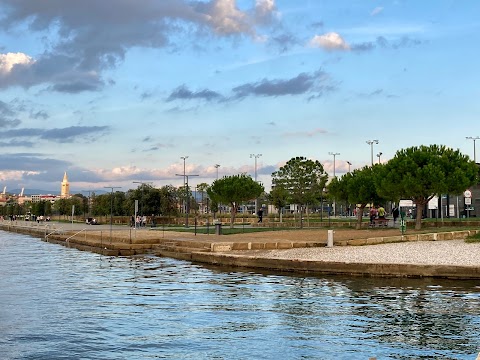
<point x="467" y="193"/>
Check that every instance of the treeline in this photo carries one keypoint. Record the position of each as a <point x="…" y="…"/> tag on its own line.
<point x="158" y="201"/>
<point x="416" y="173"/>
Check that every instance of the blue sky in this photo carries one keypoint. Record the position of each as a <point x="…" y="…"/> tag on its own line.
<point x="117" y="91"/>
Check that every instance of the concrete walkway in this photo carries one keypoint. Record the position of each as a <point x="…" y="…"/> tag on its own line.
<point x="442" y="254"/>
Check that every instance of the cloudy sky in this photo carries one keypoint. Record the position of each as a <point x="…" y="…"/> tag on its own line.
<point x="116" y="91"/>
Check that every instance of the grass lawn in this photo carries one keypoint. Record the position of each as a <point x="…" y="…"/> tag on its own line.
<point x="473" y="238"/>
<point x="226" y="230"/>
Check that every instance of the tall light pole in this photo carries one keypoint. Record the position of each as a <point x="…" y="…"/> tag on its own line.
<point x="334" y="155"/>
<point x="184" y="158"/>
<point x="187" y="197"/>
<point x="88" y="203"/>
<point x="371" y="142"/>
<point x="256" y="156"/>
<point x="349" y="164"/>
<point x="379" y="155"/>
<point x="474" y="138"/>
<point x="111" y="207"/>
<point x="216" y="167"/>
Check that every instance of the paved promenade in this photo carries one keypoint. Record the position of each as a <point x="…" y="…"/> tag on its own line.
<point x="442" y="254"/>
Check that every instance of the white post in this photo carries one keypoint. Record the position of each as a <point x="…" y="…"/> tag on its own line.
<point x="330" y="238"/>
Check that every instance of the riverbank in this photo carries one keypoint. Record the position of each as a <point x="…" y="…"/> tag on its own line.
<point x="436" y="254"/>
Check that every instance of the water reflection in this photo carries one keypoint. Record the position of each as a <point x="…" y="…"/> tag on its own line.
<point x="62" y="303"/>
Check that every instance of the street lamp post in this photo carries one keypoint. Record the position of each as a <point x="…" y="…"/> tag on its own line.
<point x="187" y="197"/>
<point x="349" y="164"/>
<point x="88" y="202"/>
<point x="371" y="142"/>
<point x="256" y="156"/>
<point x="474" y="138"/>
<point x="216" y="167"/>
<point x="378" y="155"/>
<point x="111" y="208"/>
<point x="184" y="158"/>
<point x="334" y="155"/>
<point x="334" y="203"/>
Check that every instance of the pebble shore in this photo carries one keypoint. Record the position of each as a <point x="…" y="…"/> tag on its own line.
<point x="450" y="252"/>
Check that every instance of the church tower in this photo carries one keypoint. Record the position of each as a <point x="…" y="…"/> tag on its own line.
<point x="65" y="193"/>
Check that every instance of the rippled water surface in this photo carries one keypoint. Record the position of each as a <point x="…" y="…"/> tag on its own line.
<point x="61" y="303"/>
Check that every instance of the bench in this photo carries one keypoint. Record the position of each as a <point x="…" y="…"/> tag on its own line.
<point x="379" y="223"/>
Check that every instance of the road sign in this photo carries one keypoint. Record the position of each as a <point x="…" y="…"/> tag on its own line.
<point x="467" y="193"/>
<point x="468" y="201"/>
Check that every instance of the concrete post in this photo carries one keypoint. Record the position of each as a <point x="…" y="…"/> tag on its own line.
<point x="330" y="238"/>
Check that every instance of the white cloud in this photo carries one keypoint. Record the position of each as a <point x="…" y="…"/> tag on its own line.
<point x="87" y="39"/>
<point x="265" y="6"/>
<point x="16" y="174"/>
<point x="311" y="133"/>
<point x="9" y="60"/>
<point x="376" y="11"/>
<point x="226" y="18"/>
<point x="264" y="10"/>
<point x="329" y="41"/>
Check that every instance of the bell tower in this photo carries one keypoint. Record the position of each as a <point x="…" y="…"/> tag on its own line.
<point x="65" y="192"/>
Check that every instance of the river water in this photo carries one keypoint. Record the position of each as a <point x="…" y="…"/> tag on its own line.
<point x="61" y="303"/>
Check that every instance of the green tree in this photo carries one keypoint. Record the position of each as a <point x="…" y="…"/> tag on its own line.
<point x="101" y="205"/>
<point x="61" y="206"/>
<point x="168" y="200"/>
<point x="48" y="208"/>
<point x="278" y="197"/>
<point x="77" y="202"/>
<point x="148" y="200"/>
<point x="303" y="179"/>
<point x="83" y="206"/>
<point x="202" y="187"/>
<point x="420" y="173"/>
<point x="234" y="190"/>
<point x="358" y="187"/>
<point x="119" y="199"/>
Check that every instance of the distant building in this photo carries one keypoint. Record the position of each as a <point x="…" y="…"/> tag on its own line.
<point x="49" y="197"/>
<point x="65" y="190"/>
<point x="64" y="193"/>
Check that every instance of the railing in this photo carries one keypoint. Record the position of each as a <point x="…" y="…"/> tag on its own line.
<point x="67" y="239"/>
<point x="59" y="230"/>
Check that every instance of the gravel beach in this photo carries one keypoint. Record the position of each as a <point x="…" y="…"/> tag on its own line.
<point x="450" y="252"/>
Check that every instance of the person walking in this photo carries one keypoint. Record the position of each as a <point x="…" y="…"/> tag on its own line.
<point x="381" y="212"/>
<point x="373" y="214"/>
<point x="260" y="215"/>
<point x="395" y="214"/>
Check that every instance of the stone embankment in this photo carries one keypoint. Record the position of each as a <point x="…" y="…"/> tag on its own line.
<point x="438" y="254"/>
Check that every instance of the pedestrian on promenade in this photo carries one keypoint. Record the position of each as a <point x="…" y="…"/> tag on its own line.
<point x="373" y="214"/>
<point x="260" y="215"/>
<point x="381" y="212"/>
<point x="395" y="214"/>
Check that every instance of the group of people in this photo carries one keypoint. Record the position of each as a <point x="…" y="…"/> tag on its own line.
<point x="139" y="221"/>
<point x="379" y="213"/>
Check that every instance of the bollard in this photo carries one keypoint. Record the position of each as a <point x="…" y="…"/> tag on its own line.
<point x="330" y="238"/>
<point x="218" y="229"/>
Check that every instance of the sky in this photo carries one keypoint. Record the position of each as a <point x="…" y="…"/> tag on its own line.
<point x="116" y="92"/>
